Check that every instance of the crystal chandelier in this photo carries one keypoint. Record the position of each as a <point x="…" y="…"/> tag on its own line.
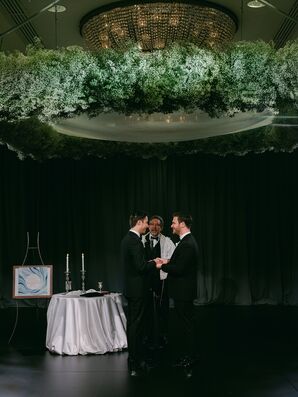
<point x="153" y="26"/>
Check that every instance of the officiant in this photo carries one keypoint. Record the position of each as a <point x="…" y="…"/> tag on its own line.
<point x="157" y="245"/>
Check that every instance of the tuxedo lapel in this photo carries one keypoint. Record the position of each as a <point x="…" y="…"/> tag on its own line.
<point x="180" y="245"/>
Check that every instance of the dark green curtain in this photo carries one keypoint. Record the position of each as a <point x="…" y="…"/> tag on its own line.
<point x="244" y="208"/>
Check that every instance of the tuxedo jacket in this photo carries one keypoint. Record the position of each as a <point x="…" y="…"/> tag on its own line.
<point x="135" y="266"/>
<point x="182" y="270"/>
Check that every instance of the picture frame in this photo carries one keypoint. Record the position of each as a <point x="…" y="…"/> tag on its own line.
<point x="32" y="281"/>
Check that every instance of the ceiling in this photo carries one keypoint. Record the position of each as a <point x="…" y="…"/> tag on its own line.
<point x="263" y="23"/>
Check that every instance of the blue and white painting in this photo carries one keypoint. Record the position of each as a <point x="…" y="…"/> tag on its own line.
<point x="32" y="281"/>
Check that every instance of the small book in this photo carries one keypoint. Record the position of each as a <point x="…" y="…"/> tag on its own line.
<point x="94" y="294"/>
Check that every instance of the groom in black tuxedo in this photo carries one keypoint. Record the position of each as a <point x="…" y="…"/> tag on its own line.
<point x="136" y="270"/>
<point x="182" y="285"/>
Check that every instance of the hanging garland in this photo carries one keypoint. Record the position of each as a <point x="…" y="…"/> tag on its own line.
<point x="46" y="84"/>
<point x="50" y="83"/>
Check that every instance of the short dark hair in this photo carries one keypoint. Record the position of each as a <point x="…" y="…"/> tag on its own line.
<point x="157" y="217"/>
<point x="135" y="217"/>
<point x="183" y="217"/>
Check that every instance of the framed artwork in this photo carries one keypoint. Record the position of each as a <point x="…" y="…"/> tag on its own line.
<point x="32" y="281"/>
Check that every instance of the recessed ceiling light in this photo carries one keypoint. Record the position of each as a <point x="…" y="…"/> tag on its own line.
<point x="57" y="9"/>
<point x="255" y="4"/>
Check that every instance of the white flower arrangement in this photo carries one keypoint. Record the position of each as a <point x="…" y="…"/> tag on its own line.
<point x="51" y="83"/>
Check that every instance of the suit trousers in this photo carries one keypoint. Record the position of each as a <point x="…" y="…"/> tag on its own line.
<point x="157" y="318"/>
<point x="185" y="322"/>
<point x="136" y="315"/>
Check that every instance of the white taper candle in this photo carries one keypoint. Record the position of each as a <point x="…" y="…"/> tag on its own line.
<point x="67" y="263"/>
<point x="83" y="262"/>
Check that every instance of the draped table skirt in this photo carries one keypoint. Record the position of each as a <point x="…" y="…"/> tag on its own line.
<point x="80" y="325"/>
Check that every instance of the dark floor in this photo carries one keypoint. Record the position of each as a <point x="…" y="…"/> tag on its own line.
<point x="244" y="351"/>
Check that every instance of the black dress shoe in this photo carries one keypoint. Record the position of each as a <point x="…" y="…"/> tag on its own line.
<point x="188" y="372"/>
<point x="134" y="370"/>
<point x="133" y="367"/>
<point x="134" y="373"/>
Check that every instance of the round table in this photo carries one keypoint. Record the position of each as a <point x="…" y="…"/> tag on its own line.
<point x="84" y="325"/>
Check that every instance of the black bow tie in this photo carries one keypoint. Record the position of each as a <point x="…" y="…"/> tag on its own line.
<point x="154" y="238"/>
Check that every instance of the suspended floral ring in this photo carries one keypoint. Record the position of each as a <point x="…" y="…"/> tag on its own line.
<point x="52" y="84"/>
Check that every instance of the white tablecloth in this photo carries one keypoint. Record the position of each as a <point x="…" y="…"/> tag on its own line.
<point x="78" y="325"/>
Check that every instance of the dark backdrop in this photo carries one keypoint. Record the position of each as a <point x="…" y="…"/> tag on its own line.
<point x="245" y="212"/>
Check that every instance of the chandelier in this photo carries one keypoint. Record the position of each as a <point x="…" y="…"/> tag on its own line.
<point x="154" y="26"/>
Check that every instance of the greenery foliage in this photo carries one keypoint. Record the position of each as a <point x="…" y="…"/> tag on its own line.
<point x="43" y="85"/>
<point x="50" y="83"/>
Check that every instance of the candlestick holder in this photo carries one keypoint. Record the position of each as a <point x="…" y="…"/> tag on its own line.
<point x="67" y="281"/>
<point x="83" y="272"/>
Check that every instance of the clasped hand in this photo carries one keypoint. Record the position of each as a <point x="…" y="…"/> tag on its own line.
<point x="160" y="261"/>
